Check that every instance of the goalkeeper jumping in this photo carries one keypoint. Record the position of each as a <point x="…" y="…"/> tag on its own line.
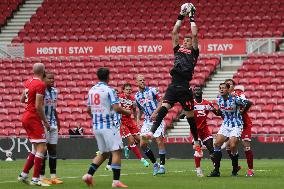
<point x="185" y="60"/>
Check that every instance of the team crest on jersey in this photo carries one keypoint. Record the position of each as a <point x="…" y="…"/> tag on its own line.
<point x="184" y="50"/>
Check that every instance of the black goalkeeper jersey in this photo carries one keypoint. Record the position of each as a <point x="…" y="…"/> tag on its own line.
<point x="185" y="61"/>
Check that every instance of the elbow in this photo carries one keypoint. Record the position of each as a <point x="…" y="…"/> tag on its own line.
<point x="174" y="32"/>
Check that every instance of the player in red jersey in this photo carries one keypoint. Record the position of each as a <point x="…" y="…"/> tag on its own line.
<point x="202" y="108"/>
<point x="34" y="121"/>
<point x="246" y="134"/>
<point x="128" y="128"/>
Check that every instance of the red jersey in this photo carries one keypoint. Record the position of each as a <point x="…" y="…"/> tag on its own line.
<point x="201" y="111"/>
<point x="33" y="87"/>
<point x="246" y="119"/>
<point x="126" y="103"/>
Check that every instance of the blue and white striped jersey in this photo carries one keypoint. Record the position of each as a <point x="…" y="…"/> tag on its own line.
<point x="116" y="119"/>
<point x="101" y="97"/>
<point x="230" y="109"/>
<point x="147" y="101"/>
<point x="50" y="100"/>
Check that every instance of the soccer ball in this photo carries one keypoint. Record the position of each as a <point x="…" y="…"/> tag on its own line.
<point x="185" y="9"/>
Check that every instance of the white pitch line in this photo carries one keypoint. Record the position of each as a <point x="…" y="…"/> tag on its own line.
<point x="126" y="174"/>
<point x="123" y="174"/>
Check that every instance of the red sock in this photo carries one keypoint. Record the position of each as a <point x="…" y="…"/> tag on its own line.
<point x="29" y="163"/>
<point x="197" y="161"/>
<point x="37" y="164"/>
<point x="136" y="151"/>
<point x="249" y="156"/>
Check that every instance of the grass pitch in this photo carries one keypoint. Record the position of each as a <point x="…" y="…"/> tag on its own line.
<point x="180" y="175"/>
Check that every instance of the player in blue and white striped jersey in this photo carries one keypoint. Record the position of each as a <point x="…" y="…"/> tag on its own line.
<point x="232" y="126"/>
<point x="148" y="103"/>
<point x="50" y="101"/>
<point x="102" y="100"/>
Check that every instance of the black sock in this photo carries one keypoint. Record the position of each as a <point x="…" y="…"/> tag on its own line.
<point x="235" y="162"/>
<point x="217" y="158"/>
<point x="52" y="164"/>
<point x="161" y="114"/>
<point x="116" y="171"/>
<point x="193" y="127"/>
<point x="42" y="171"/>
<point x="109" y="160"/>
<point x="162" y="159"/>
<point x="212" y="159"/>
<point x="230" y="154"/>
<point x="93" y="169"/>
<point x="148" y="152"/>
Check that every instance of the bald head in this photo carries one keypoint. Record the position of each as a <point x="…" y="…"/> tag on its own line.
<point x="38" y="69"/>
<point x="140" y="82"/>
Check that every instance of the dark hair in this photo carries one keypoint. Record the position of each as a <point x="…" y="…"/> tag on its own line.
<point x="234" y="83"/>
<point x="226" y="84"/>
<point x="126" y="85"/>
<point x="188" y="36"/>
<point x="103" y="74"/>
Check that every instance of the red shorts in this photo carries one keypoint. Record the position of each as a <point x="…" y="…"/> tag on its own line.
<point x="34" y="128"/>
<point x="246" y="134"/>
<point x="204" y="133"/>
<point x="128" y="127"/>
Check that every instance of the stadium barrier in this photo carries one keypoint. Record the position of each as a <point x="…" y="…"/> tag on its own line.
<point x="264" y="147"/>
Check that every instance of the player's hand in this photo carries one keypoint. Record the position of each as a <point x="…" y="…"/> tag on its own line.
<point x="184" y="9"/>
<point x="191" y="13"/>
<point x="47" y="126"/>
<point x="153" y="117"/>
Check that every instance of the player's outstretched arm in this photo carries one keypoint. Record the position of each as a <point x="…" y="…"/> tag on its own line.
<point x="175" y="32"/>
<point x="193" y="26"/>
<point x="120" y="110"/>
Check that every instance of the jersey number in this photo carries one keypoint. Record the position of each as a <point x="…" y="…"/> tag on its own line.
<point x="201" y="113"/>
<point x="96" y="98"/>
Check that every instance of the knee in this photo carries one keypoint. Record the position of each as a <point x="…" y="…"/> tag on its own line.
<point x="233" y="145"/>
<point x="131" y="140"/>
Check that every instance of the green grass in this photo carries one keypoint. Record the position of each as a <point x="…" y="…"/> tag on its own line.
<point x="180" y="175"/>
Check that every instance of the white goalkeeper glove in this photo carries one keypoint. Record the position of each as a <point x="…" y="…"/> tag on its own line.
<point x="191" y="12"/>
<point x="184" y="9"/>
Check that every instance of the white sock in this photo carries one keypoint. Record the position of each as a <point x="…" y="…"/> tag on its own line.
<point x="161" y="166"/>
<point x="35" y="179"/>
<point x="115" y="181"/>
<point x="52" y="176"/>
<point x="24" y="174"/>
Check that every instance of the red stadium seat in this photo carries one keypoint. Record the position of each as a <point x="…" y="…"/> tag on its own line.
<point x="263" y="130"/>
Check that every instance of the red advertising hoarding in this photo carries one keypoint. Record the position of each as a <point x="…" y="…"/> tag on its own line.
<point x="222" y="46"/>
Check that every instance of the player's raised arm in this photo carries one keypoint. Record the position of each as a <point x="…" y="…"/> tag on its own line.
<point x="175" y="32"/>
<point x="193" y="26"/>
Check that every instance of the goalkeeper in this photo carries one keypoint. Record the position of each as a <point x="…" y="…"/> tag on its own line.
<point x="185" y="60"/>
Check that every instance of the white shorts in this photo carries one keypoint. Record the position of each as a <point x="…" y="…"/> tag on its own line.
<point x="230" y="131"/>
<point x="108" y="140"/>
<point x="147" y="124"/>
<point x="52" y="135"/>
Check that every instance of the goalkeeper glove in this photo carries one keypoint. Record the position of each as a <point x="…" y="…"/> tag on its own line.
<point x="191" y="13"/>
